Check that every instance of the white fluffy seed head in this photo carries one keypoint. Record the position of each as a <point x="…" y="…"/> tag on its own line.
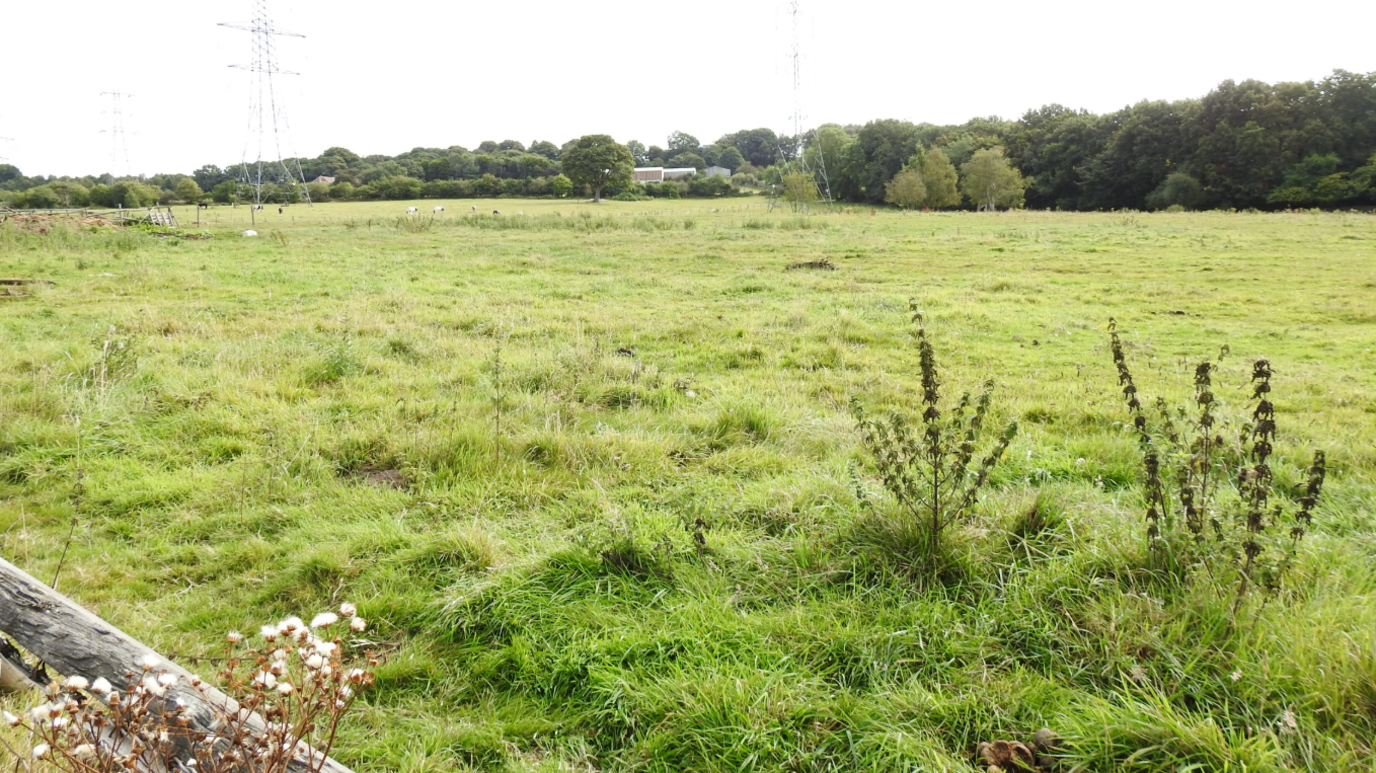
<point x="154" y="686"/>
<point x="40" y="751"/>
<point x="290" y="624"/>
<point x="358" y="625"/>
<point x="101" y="686"/>
<point x="234" y="637"/>
<point x="85" y="751"/>
<point x="10" y="719"/>
<point x="324" y="620"/>
<point x="167" y="680"/>
<point x="314" y="662"/>
<point x="268" y="632"/>
<point x="149" y="662"/>
<point x="347" y="609"/>
<point x="77" y="683"/>
<point x="285" y="688"/>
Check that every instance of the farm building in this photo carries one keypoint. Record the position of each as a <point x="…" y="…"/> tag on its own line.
<point x="716" y="171"/>
<point x="658" y="174"/>
<point x="323" y="179"/>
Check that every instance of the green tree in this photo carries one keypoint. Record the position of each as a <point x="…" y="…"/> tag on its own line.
<point x="342" y="190"/>
<point x="560" y="186"/>
<point x="597" y="160"/>
<point x="731" y="158"/>
<point x="800" y="189"/>
<point x="906" y="190"/>
<point x="759" y="146"/>
<point x="687" y="160"/>
<point x="990" y="182"/>
<point x="9" y="172"/>
<point x="544" y="148"/>
<point x="188" y="191"/>
<point x="397" y="187"/>
<point x="1177" y="190"/>
<point x="487" y="185"/>
<point x="680" y="142"/>
<point x="939" y="177"/>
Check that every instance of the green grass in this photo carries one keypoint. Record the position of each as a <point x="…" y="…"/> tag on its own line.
<point x="431" y="417"/>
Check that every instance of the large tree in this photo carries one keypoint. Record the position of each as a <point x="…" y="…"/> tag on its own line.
<point x="597" y="160"/>
<point x="939" y="179"/>
<point x="906" y="190"/>
<point x="990" y="182"/>
<point x="188" y="191"/>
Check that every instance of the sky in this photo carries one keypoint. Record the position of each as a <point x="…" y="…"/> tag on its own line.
<point x="382" y="78"/>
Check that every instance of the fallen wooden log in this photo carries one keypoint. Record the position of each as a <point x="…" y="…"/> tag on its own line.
<point x="26" y="281"/>
<point x="75" y="642"/>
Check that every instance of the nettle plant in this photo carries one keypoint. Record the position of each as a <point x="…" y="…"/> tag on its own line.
<point x="932" y="466"/>
<point x="293" y="690"/>
<point x="1213" y="506"/>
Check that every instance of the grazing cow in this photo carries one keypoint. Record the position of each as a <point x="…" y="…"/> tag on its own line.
<point x="438" y="210"/>
<point x="250" y="233"/>
<point x="475" y="207"/>
<point x="520" y="213"/>
<point x="279" y="210"/>
<point x="412" y="210"/>
<point x="496" y="212"/>
<point x="203" y="205"/>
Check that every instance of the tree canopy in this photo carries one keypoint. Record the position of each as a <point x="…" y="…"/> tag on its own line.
<point x="597" y="160"/>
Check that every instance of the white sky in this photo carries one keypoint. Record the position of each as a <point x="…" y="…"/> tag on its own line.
<point x="387" y="77"/>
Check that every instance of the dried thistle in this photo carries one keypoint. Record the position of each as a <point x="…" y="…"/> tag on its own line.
<point x="933" y="473"/>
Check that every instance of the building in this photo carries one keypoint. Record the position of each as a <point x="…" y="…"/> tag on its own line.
<point x="658" y="174"/>
<point x="323" y="179"/>
<point x="717" y="171"/>
<point x="648" y="174"/>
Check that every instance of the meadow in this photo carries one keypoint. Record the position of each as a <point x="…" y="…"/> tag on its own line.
<point x="592" y="473"/>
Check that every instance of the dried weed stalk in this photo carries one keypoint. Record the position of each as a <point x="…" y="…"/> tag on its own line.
<point x="1227" y="516"/>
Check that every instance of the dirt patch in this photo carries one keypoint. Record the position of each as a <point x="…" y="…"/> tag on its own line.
<point x="815" y="265"/>
<point x="383" y="478"/>
<point x="41" y="224"/>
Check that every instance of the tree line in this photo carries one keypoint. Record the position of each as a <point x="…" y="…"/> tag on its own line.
<point x="1243" y="145"/>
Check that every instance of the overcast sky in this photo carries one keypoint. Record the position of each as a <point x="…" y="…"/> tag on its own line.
<point x="387" y="77"/>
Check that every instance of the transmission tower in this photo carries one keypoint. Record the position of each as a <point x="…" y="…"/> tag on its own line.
<point x="267" y="118"/>
<point x="119" y="149"/>
<point x="5" y="159"/>
<point x="796" y="59"/>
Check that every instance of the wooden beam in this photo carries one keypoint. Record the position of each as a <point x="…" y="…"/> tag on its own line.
<point x="75" y="642"/>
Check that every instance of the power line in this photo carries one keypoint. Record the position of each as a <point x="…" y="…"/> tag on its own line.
<point x="267" y="119"/>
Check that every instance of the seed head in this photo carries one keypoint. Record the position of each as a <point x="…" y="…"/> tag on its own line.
<point x="347" y="609"/>
<point x="324" y="620"/>
<point x="358" y="625"/>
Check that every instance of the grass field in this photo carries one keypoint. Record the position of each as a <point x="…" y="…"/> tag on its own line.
<point x="499" y="436"/>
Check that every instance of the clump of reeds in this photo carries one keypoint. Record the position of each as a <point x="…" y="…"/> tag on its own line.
<point x="1226" y="517"/>
<point x="293" y="690"/>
